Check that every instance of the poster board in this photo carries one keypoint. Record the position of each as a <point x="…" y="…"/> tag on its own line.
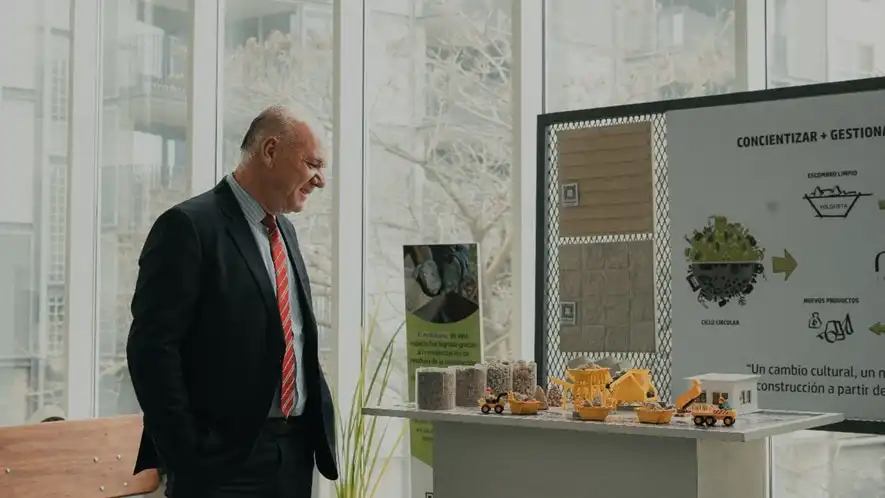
<point x="443" y="328"/>
<point x="550" y="318"/>
<point x="776" y="233"/>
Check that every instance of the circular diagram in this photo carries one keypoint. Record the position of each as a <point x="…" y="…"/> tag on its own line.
<point x="724" y="262"/>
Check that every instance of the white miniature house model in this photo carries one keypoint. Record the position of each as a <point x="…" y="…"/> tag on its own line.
<point x="738" y="389"/>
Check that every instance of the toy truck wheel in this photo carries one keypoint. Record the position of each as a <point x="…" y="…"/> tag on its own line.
<point x="710" y="421"/>
<point x="499" y="409"/>
<point x="485" y="409"/>
<point x="698" y="420"/>
<point x="728" y="421"/>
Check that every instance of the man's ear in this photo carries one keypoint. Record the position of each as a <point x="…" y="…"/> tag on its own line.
<point x="268" y="149"/>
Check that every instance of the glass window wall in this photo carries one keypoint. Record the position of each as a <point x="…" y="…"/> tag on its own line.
<point x="438" y="156"/>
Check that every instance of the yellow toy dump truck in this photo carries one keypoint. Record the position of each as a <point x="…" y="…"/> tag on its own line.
<point x="686" y="399"/>
<point x="707" y="414"/>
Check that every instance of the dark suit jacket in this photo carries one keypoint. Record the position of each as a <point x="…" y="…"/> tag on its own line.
<point x="206" y="345"/>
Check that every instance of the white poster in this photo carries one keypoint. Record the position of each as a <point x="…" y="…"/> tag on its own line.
<point x="777" y="245"/>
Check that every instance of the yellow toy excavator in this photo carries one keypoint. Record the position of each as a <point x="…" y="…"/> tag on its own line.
<point x="634" y="386"/>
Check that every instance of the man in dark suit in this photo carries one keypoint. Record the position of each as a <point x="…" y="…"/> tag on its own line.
<point x="223" y="346"/>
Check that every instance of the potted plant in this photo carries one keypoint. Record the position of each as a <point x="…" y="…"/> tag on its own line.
<point x="362" y="464"/>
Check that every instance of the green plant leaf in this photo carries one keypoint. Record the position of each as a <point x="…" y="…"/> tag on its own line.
<point x="360" y="455"/>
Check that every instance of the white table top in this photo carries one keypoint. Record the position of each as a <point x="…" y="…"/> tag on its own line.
<point x="748" y="427"/>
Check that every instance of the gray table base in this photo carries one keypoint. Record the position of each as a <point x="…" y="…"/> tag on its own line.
<point x="491" y="461"/>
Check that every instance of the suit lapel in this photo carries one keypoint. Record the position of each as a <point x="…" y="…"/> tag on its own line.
<point x="239" y="231"/>
<point x="311" y="333"/>
<point x="291" y="240"/>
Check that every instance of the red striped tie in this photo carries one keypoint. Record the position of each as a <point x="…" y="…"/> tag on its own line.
<point x="287" y="388"/>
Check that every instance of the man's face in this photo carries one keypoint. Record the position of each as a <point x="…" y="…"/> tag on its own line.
<point x="295" y="169"/>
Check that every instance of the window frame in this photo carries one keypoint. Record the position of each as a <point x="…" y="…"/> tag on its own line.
<point x="84" y="153"/>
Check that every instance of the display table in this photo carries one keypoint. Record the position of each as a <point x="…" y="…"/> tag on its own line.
<point x="552" y="454"/>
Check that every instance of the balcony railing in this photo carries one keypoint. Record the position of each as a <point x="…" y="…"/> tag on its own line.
<point x="153" y="65"/>
<point x="132" y="194"/>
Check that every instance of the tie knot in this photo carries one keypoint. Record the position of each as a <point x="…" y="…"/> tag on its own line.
<point x="269" y="222"/>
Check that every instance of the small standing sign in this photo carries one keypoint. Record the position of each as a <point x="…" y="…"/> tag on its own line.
<point x="568" y="313"/>
<point x="570" y="195"/>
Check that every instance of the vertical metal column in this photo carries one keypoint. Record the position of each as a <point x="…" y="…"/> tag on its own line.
<point x="750" y="44"/>
<point x="82" y="258"/>
<point x="348" y="221"/>
<point x="204" y="110"/>
<point x="527" y="101"/>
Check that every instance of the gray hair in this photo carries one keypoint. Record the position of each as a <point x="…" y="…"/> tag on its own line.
<point x="273" y="121"/>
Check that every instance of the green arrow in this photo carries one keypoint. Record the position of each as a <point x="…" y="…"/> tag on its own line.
<point x="785" y="265"/>
<point x="878" y="328"/>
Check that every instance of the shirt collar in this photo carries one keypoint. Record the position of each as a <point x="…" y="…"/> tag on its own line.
<point x="252" y="210"/>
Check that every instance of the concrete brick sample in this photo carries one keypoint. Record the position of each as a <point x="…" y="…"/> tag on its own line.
<point x="607" y="301"/>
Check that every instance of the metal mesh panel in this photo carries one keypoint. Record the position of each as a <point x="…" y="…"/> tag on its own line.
<point x="660" y="362"/>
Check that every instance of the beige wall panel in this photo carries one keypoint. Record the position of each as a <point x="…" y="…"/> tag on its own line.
<point x="605" y="179"/>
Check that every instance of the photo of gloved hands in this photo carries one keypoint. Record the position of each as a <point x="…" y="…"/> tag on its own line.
<point x="445" y="277"/>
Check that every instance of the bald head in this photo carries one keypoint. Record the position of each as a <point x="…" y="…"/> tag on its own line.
<point x="281" y="159"/>
<point x="275" y="121"/>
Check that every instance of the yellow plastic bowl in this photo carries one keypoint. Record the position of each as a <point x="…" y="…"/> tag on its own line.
<point x="597" y="413"/>
<point x="648" y="416"/>
<point x="524" y="407"/>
